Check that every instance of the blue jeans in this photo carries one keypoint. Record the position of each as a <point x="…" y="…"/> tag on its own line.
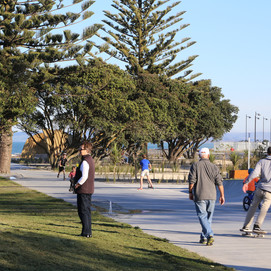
<point x="205" y="210"/>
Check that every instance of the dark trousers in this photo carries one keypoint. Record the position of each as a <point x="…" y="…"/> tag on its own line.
<point x="84" y="212"/>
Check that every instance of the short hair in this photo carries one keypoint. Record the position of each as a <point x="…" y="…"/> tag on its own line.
<point x="87" y="146"/>
<point x="144" y="156"/>
<point x="269" y="150"/>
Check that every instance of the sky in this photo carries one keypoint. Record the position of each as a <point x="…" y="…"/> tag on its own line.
<point x="233" y="43"/>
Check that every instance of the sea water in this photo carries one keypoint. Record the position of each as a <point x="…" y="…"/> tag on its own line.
<point x="17" y="147"/>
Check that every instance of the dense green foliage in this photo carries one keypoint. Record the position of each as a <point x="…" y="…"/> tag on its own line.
<point x="87" y="102"/>
<point x="33" y="33"/>
<point x="198" y="114"/>
<point x="99" y="102"/>
<point x="27" y="39"/>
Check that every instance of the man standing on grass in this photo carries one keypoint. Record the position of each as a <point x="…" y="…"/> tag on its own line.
<point x="203" y="178"/>
<point x="84" y="188"/>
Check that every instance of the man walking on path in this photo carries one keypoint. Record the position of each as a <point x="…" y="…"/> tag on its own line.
<point x="262" y="193"/>
<point x="145" y="170"/>
<point x="84" y="188"/>
<point x="203" y="178"/>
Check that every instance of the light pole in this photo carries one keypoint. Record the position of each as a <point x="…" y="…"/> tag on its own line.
<point x="256" y="117"/>
<point x="263" y="126"/>
<point x="248" y="152"/>
<point x="246" y="126"/>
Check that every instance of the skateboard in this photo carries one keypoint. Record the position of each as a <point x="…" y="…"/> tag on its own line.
<point x="251" y="233"/>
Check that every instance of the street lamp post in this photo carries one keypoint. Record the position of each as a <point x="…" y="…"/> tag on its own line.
<point x="248" y="152"/>
<point x="246" y="126"/>
<point x="256" y="117"/>
<point x="263" y="126"/>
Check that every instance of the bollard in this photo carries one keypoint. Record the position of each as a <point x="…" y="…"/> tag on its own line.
<point x="110" y="207"/>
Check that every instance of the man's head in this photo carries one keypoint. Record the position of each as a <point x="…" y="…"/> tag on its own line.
<point x="144" y="156"/>
<point x="204" y="153"/>
<point x="85" y="148"/>
<point x="269" y="151"/>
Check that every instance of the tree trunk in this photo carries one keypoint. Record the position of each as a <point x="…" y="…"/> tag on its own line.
<point x="5" y="150"/>
<point x="53" y="160"/>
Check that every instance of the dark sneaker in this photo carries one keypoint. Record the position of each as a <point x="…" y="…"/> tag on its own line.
<point x="210" y="241"/>
<point x="257" y="229"/>
<point x="245" y="229"/>
<point x="203" y="241"/>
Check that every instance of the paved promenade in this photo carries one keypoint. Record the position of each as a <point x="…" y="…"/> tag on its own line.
<point x="167" y="212"/>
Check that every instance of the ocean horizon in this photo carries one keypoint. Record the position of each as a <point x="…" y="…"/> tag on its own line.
<point x="17" y="147"/>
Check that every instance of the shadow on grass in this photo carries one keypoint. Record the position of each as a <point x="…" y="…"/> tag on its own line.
<point x="39" y="252"/>
<point x="113" y="225"/>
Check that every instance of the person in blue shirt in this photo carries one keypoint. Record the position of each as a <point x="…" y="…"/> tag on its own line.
<point x="145" y="170"/>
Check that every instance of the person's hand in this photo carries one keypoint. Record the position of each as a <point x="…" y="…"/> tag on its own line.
<point x="191" y="196"/>
<point x="222" y="200"/>
<point x="245" y="188"/>
<point x="77" y="185"/>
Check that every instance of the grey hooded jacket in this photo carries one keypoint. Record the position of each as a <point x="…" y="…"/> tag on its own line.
<point x="262" y="169"/>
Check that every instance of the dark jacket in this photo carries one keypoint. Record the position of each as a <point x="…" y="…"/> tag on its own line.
<point x="205" y="176"/>
<point x="88" y="185"/>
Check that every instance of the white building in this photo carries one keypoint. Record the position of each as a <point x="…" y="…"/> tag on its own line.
<point x="239" y="146"/>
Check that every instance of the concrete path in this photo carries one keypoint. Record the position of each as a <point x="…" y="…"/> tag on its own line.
<point x="168" y="213"/>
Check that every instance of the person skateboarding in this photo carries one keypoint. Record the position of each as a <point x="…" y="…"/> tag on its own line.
<point x="262" y="194"/>
<point x="145" y="170"/>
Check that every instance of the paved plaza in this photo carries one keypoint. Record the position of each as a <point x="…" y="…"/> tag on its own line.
<point x="167" y="212"/>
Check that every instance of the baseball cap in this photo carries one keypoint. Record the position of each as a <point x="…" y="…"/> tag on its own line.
<point x="204" y="151"/>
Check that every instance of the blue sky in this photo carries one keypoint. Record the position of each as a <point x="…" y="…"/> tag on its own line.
<point x="233" y="44"/>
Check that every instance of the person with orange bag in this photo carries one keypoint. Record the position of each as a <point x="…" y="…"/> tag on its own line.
<point x="252" y="184"/>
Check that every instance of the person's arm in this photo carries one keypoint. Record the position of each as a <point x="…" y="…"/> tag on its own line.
<point x="191" y="196"/>
<point x="256" y="172"/>
<point x="150" y="167"/>
<point x="84" y="169"/>
<point x="192" y="179"/>
<point x="222" y="196"/>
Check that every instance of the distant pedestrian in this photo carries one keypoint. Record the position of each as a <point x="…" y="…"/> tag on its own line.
<point x="203" y="178"/>
<point x="71" y="177"/>
<point x="262" y="193"/>
<point x="84" y="187"/>
<point x="61" y="165"/>
<point x="145" y="171"/>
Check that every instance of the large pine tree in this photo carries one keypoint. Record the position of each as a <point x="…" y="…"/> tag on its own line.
<point x="143" y="35"/>
<point x="33" y="33"/>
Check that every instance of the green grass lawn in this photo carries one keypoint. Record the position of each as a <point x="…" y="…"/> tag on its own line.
<point x="38" y="232"/>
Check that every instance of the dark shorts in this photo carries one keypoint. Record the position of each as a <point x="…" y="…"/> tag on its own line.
<point x="61" y="169"/>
